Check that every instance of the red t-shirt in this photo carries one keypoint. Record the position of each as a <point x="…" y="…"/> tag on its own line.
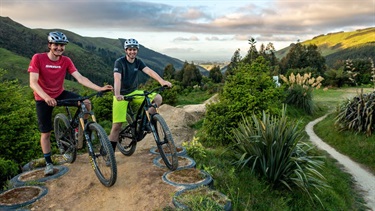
<point x="51" y="73"/>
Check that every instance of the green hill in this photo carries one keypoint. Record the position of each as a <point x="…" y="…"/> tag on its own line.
<point x="342" y="45"/>
<point x="94" y="57"/>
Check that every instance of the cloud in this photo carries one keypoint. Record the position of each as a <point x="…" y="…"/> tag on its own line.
<point x="281" y="17"/>
<point x="189" y="25"/>
<point x="181" y="50"/>
<point x="192" y="38"/>
<point x="215" y="38"/>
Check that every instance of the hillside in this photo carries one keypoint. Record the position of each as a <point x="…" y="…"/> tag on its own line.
<point x="94" y="57"/>
<point x="341" y="45"/>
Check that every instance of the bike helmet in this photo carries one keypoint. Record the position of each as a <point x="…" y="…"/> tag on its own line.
<point x="131" y="43"/>
<point x="57" y="37"/>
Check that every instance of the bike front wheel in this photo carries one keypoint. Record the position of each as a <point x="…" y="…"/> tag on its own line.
<point x="64" y="138"/>
<point x="164" y="142"/>
<point x="102" y="155"/>
<point x="126" y="140"/>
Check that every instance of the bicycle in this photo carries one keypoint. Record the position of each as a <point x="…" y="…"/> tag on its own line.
<point x="140" y="123"/>
<point x="98" y="145"/>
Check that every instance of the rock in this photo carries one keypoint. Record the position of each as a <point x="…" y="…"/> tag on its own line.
<point x="179" y="121"/>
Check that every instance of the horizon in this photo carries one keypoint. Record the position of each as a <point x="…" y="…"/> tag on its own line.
<point x="198" y="31"/>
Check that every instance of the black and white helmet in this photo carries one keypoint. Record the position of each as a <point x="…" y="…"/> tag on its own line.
<point x="131" y="43"/>
<point x="57" y="37"/>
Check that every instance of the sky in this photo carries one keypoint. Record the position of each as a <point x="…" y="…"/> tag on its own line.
<point x="196" y="30"/>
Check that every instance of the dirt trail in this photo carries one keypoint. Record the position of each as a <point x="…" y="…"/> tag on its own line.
<point x="364" y="179"/>
<point x="139" y="186"/>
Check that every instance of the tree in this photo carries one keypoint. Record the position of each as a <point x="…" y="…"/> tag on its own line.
<point x="169" y="71"/>
<point x="268" y="53"/>
<point x="215" y="74"/>
<point x="252" y="53"/>
<point x="191" y="75"/>
<point x="236" y="58"/>
<point x="302" y="56"/>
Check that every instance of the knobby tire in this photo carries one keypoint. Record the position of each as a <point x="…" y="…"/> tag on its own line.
<point x="64" y="137"/>
<point x="102" y="153"/>
<point x="127" y="142"/>
<point x="164" y="142"/>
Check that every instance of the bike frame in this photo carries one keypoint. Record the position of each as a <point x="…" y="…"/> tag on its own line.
<point x="142" y="114"/>
<point x="78" y="119"/>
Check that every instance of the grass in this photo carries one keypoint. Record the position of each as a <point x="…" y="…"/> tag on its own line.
<point x="202" y="198"/>
<point x="329" y="99"/>
<point x="194" y="97"/>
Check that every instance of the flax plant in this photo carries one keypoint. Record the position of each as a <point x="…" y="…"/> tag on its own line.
<point x="273" y="149"/>
<point x="372" y="72"/>
<point x="299" y="90"/>
<point x="357" y="114"/>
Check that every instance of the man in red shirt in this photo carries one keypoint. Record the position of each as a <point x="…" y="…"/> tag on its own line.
<point x="47" y="74"/>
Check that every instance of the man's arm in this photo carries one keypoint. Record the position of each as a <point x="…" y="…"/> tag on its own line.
<point x="156" y="76"/>
<point x="117" y="85"/>
<point x="87" y="83"/>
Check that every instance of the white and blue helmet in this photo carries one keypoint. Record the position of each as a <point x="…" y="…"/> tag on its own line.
<point x="57" y="37"/>
<point x="131" y="43"/>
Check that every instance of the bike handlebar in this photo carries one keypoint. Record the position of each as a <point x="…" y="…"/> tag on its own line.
<point x="145" y="93"/>
<point x="73" y="101"/>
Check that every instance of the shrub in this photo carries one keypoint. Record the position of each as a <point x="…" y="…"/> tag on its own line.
<point x="299" y="90"/>
<point x="273" y="149"/>
<point x="195" y="148"/>
<point x="249" y="91"/>
<point x="8" y="169"/>
<point x="19" y="136"/>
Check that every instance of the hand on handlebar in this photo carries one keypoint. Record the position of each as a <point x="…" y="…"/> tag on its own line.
<point x="166" y="84"/>
<point x="106" y="88"/>
<point x="119" y="97"/>
<point x="50" y="101"/>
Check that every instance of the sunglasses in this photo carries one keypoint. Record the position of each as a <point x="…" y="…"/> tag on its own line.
<point x="132" y="49"/>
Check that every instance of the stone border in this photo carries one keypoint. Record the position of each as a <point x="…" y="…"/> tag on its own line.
<point x="208" y="180"/>
<point x="183" y="152"/>
<point x="43" y="192"/>
<point x="191" y="164"/>
<point x="16" y="181"/>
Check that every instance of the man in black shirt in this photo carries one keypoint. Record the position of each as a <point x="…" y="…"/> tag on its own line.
<point x="126" y="73"/>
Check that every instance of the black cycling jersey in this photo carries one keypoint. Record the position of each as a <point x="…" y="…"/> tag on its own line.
<point x="130" y="73"/>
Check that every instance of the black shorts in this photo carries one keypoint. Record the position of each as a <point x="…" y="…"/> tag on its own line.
<point x="44" y="111"/>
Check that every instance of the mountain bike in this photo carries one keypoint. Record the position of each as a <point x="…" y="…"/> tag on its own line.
<point x="140" y="122"/>
<point x="99" y="148"/>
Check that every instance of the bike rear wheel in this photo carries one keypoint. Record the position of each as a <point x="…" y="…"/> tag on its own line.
<point x="64" y="138"/>
<point x="102" y="155"/>
<point x="126" y="140"/>
<point x="164" y="142"/>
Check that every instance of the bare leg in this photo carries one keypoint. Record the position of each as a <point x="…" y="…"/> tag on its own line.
<point x="45" y="142"/>
<point x="157" y="100"/>
<point x="88" y="106"/>
<point x="113" y="136"/>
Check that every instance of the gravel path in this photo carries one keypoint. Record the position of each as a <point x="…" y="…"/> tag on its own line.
<point x="364" y="179"/>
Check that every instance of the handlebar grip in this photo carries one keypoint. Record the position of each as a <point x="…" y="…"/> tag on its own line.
<point x="71" y="102"/>
<point x="100" y="93"/>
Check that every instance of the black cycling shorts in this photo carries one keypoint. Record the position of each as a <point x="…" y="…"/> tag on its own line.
<point x="44" y="111"/>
